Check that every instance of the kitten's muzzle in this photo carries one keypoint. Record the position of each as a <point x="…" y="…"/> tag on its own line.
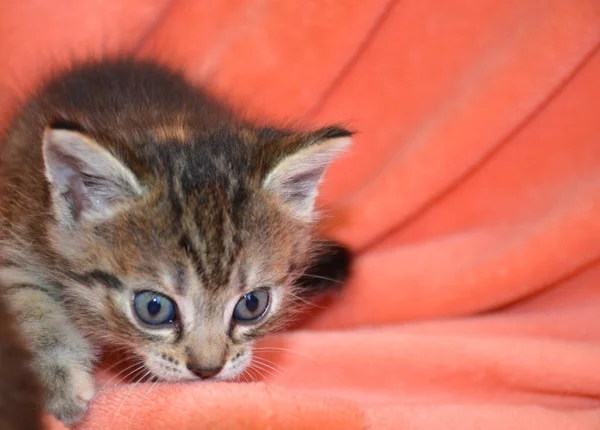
<point x="204" y="372"/>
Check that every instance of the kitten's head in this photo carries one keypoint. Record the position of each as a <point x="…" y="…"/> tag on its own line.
<point x="184" y="247"/>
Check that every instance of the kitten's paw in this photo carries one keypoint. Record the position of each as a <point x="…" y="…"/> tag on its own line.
<point x="69" y="391"/>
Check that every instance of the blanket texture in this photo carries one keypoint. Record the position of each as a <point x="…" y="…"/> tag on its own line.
<point x="471" y="198"/>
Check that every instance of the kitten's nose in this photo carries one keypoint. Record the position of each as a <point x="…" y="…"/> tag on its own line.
<point x="204" y="372"/>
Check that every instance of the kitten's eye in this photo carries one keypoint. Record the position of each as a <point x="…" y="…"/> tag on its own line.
<point x="251" y="306"/>
<point x="153" y="308"/>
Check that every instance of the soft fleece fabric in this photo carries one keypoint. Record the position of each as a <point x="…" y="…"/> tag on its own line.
<point x="471" y="197"/>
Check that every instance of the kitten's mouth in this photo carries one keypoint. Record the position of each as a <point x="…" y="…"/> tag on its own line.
<point x="165" y="370"/>
<point x="134" y="366"/>
<point x="170" y="370"/>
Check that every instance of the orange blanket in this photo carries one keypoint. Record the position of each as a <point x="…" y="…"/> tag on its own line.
<point x="471" y="197"/>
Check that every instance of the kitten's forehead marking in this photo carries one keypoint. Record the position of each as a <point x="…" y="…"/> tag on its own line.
<point x="193" y="254"/>
<point x="214" y="247"/>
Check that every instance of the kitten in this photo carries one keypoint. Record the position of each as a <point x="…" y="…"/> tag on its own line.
<point x="138" y="213"/>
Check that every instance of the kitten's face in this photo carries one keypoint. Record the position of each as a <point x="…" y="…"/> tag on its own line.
<point x="178" y="298"/>
<point x="186" y="278"/>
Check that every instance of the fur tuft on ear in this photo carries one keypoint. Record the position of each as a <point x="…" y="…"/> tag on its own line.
<point x="296" y="177"/>
<point x="86" y="180"/>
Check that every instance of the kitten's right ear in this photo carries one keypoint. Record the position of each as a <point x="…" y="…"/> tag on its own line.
<point x="87" y="181"/>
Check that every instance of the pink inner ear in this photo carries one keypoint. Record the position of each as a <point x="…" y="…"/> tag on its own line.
<point x="70" y="180"/>
<point x="301" y="185"/>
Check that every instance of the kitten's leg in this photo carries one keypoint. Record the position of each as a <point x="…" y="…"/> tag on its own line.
<point x="62" y="358"/>
<point x="328" y="271"/>
<point x="21" y="401"/>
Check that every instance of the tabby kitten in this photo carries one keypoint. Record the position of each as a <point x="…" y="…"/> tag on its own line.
<point x="138" y="213"/>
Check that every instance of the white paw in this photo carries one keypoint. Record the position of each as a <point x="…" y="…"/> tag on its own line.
<point x="69" y="391"/>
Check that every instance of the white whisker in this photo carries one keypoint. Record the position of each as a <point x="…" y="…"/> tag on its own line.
<point x="129" y="391"/>
<point x="138" y="366"/>
<point x="269" y="364"/>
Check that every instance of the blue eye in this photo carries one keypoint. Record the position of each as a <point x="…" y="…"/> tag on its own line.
<point x="251" y="307"/>
<point x="153" y="308"/>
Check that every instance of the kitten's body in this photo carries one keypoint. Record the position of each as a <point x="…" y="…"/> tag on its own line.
<point x="120" y="178"/>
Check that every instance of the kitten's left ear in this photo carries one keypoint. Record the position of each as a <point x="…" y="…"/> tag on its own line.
<point x="296" y="177"/>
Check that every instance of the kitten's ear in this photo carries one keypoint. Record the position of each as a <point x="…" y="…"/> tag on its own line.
<point x="86" y="180"/>
<point x="295" y="178"/>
